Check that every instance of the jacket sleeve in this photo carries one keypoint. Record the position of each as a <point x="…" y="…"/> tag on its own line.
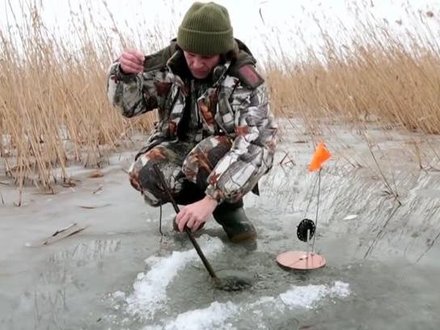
<point x="129" y="92"/>
<point x="253" y="148"/>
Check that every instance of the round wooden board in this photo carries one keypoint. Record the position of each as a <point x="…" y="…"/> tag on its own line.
<point x="300" y="260"/>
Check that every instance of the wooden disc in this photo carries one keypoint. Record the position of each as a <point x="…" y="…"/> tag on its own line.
<point x="300" y="260"/>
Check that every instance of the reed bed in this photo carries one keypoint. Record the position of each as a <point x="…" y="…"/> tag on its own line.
<point x="54" y="111"/>
<point x="376" y="76"/>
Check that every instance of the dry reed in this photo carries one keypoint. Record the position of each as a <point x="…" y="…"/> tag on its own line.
<point x="53" y="105"/>
<point x="54" y="110"/>
<point x="379" y="76"/>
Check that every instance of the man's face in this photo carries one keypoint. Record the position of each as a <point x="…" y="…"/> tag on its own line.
<point x="201" y="66"/>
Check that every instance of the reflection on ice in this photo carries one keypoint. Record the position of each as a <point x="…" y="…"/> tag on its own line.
<point x="87" y="251"/>
<point x="51" y="295"/>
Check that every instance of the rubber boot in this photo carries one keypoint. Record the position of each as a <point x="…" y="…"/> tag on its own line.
<point x="235" y="223"/>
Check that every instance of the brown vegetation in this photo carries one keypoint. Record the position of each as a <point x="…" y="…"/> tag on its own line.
<point x="379" y="76"/>
<point x="54" y="110"/>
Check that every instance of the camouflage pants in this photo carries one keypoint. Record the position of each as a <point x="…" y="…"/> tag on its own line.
<point x="185" y="167"/>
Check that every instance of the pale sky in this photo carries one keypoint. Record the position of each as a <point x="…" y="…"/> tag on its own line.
<point x="259" y="23"/>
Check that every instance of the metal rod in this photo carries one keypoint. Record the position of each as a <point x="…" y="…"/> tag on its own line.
<point x="317" y="209"/>
<point x="187" y="230"/>
<point x="308" y="242"/>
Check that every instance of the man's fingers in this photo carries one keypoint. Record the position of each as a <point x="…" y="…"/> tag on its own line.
<point x="131" y="65"/>
<point x="132" y="62"/>
<point x="182" y="224"/>
<point x="131" y="68"/>
<point x="189" y="222"/>
<point x="181" y="219"/>
<point x="180" y="215"/>
<point x="140" y="56"/>
<point x="187" y="217"/>
<point x="132" y="57"/>
<point x="196" y="226"/>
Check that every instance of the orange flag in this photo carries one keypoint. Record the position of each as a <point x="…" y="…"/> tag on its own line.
<point x="319" y="157"/>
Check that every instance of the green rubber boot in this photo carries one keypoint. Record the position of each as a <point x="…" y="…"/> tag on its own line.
<point x="235" y="223"/>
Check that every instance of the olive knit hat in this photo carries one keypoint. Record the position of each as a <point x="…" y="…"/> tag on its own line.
<point x="206" y="30"/>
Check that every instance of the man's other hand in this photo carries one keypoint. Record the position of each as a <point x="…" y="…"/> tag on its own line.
<point x="196" y="214"/>
<point x="132" y="61"/>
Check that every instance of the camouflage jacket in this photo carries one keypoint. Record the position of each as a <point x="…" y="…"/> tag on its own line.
<point x="234" y="103"/>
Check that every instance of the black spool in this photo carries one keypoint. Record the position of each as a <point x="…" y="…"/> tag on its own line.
<point x="306" y="225"/>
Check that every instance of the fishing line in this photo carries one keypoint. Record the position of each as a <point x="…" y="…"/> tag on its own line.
<point x="317" y="208"/>
<point x="160" y="220"/>
<point x="230" y="282"/>
<point x="311" y="196"/>
<point x="306" y="260"/>
<point x="307" y="227"/>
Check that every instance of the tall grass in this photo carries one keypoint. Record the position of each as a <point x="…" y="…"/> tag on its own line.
<point x="376" y="76"/>
<point x="54" y="110"/>
<point x="53" y="105"/>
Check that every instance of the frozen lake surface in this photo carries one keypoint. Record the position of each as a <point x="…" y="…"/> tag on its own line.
<point x="383" y="268"/>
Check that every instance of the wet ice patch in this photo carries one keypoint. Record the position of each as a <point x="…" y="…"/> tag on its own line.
<point x="149" y="295"/>
<point x="212" y="317"/>
<point x="308" y="296"/>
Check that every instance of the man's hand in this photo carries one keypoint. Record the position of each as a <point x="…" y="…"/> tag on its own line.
<point x="196" y="214"/>
<point x="132" y="61"/>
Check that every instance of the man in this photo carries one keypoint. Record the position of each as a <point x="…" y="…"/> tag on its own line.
<point x="215" y="137"/>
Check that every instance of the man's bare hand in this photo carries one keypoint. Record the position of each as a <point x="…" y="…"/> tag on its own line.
<point x="196" y="214"/>
<point x="132" y="61"/>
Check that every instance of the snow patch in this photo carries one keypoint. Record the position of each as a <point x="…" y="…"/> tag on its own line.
<point x="221" y="315"/>
<point x="308" y="296"/>
<point x="149" y="295"/>
<point x="212" y="317"/>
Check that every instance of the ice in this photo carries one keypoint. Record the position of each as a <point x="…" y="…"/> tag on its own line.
<point x="149" y="294"/>
<point x="212" y="317"/>
<point x="308" y="296"/>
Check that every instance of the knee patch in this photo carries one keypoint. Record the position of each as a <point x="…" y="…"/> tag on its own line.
<point x="202" y="159"/>
<point x="147" y="177"/>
